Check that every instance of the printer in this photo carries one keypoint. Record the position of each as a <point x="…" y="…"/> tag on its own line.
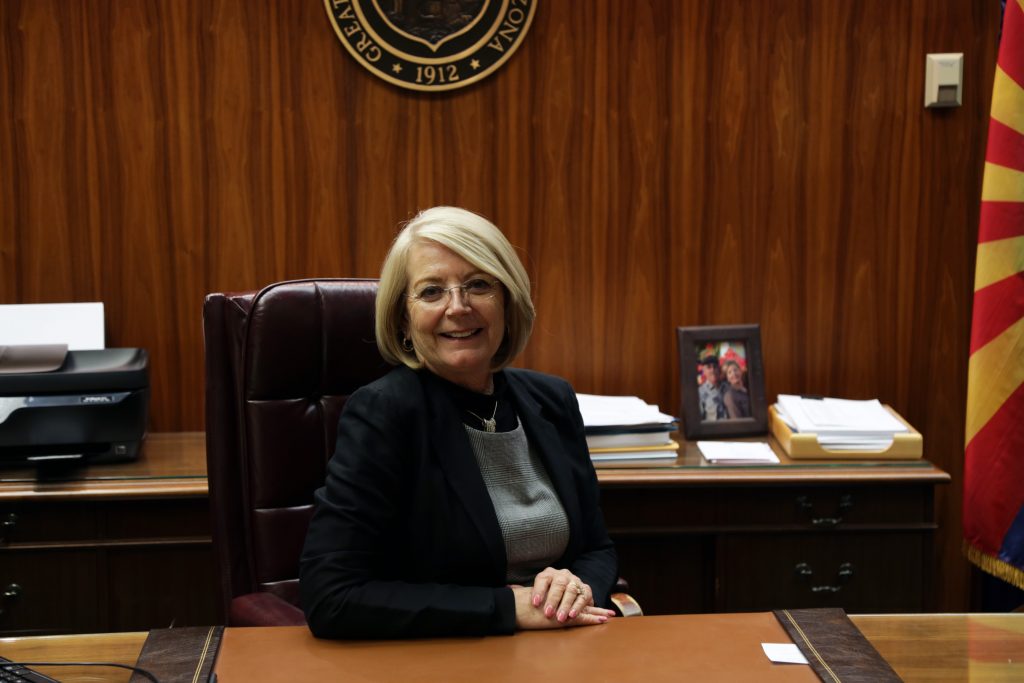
<point x="61" y="407"/>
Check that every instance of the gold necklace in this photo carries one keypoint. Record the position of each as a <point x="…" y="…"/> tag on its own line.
<point x="490" y="425"/>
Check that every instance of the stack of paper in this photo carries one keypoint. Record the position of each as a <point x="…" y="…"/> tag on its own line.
<point x="78" y="325"/>
<point x="626" y="428"/>
<point x="841" y="424"/>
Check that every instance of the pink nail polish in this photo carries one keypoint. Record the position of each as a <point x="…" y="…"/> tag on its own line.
<point x="536" y="600"/>
<point x="561" y="616"/>
<point x="572" y="614"/>
<point x="548" y="611"/>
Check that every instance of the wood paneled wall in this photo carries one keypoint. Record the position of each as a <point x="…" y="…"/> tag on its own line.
<point x="660" y="163"/>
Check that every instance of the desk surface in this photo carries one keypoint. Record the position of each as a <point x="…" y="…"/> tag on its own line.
<point x="174" y="464"/>
<point x="169" y="464"/>
<point x="690" y="468"/>
<point x="706" y="647"/>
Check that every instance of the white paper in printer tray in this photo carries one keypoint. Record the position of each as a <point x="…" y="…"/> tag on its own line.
<point x="78" y="325"/>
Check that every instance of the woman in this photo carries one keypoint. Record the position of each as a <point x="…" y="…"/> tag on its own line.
<point x="735" y="395"/>
<point x="461" y="499"/>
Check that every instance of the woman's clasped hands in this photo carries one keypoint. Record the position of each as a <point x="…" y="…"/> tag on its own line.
<point x="557" y="599"/>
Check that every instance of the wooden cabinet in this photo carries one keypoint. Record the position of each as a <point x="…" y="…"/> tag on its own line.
<point x="127" y="547"/>
<point x="697" y="538"/>
<point x="110" y="548"/>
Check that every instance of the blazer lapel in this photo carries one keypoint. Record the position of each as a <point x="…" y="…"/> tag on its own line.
<point x="460" y="468"/>
<point x="545" y="438"/>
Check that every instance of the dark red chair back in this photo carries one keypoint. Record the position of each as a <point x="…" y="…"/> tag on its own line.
<point x="280" y="364"/>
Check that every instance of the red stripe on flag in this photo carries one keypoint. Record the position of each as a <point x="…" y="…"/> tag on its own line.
<point x="996" y="307"/>
<point x="1011" y="50"/>
<point x="1005" y="146"/>
<point x="994" y="458"/>
<point x="993" y="472"/>
<point x="1000" y="220"/>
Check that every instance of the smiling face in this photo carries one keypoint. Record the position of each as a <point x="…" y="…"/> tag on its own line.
<point x="734" y="374"/>
<point x="710" y="371"/>
<point x="456" y="338"/>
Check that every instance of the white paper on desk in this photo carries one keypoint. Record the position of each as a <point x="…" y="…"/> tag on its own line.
<point x="847" y="443"/>
<point x="652" y="454"/>
<point x="619" y="411"/>
<point x="737" y="451"/>
<point x="784" y="653"/>
<point x="78" y="325"/>
<point x="839" y="416"/>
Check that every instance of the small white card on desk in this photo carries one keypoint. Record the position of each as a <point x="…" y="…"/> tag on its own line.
<point x="737" y="452"/>
<point x="784" y="653"/>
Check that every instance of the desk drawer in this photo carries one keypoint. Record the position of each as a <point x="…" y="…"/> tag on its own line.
<point x="860" y="572"/>
<point x="790" y="508"/>
<point x="826" y="507"/>
<point x="641" y="510"/>
<point x="142" y="519"/>
<point x="22" y="523"/>
<point x="46" y="591"/>
<point x="121" y="587"/>
<point x="160" y="587"/>
<point x="32" y="524"/>
<point x="106" y="565"/>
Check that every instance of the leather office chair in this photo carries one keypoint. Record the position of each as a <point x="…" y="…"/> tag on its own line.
<point x="280" y="364"/>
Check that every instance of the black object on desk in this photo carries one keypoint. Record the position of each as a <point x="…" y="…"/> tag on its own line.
<point x="12" y="672"/>
<point x="92" y="408"/>
<point x="834" y="647"/>
<point x="180" y="655"/>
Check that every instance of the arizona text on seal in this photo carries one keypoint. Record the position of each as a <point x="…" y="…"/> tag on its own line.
<point x="431" y="44"/>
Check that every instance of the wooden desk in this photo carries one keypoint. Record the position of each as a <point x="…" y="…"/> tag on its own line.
<point x="949" y="647"/>
<point x="120" y="648"/>
<point x="123" y="547"/>
<point x="114" y="547"/>
<point x="694" y="537"/>
<point x="936" y="647"/>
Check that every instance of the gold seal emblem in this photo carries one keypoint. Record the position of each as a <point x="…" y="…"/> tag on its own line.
<point x="431" y="44"/>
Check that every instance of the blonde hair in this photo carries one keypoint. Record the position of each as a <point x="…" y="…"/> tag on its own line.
<point x="478" y="241"/>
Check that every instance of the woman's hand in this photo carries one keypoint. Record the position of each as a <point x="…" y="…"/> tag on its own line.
<point x="530" y="617"/>
<point x="558" y="598"/>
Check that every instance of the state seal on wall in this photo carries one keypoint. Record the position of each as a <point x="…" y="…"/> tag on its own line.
<point x="431" y="44"/>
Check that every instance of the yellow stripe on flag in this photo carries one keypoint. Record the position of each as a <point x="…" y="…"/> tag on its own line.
<point x="993" y="374"/>
<point x="998" y="260"/>
<point x="1002" y="184"/>
<point x="1008" y="102"/>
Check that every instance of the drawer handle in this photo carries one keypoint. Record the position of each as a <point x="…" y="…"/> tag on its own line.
<point x="10" y="595"/>
<point x="804" y="571"/>
<point x="7" y="525"/>
<point x="845" y="505"/>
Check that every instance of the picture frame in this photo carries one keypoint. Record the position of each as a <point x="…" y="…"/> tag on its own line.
<point x="727" y="359"/>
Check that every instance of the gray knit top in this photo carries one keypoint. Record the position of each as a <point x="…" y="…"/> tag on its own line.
<point x="532" y="520"/>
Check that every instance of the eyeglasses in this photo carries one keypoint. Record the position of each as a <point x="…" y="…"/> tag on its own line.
<point x="477" y="289"/>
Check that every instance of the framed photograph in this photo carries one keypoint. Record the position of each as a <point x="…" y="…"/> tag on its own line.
<point x="722" y="381"/>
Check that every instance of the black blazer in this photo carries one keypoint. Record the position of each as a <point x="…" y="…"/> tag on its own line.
<point x="404" y="540"/>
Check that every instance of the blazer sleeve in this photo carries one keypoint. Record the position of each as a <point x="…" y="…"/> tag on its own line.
<point x="597" y="563"/>
<point x="351" y="570"/>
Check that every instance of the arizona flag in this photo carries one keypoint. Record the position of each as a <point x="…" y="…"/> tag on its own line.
<point x="994" y="456"/>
